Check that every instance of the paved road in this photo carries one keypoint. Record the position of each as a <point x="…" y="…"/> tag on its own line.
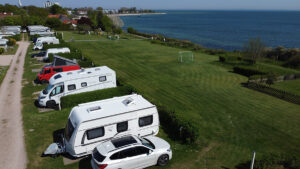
<point x="12" y="146"/>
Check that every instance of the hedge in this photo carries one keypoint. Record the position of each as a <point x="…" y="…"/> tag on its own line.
<point x="74" y="100"/>
<point x="247" y="71"/>
<point x="178" y="127"/>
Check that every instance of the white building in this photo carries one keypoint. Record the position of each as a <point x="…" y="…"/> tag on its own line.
<point x="48" y="4"/>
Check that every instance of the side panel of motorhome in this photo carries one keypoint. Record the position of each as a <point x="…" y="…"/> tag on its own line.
<point x="91" y="133"/>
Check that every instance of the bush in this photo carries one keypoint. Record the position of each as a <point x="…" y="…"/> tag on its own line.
<point x="222" y="59"/>
<point x="2" y="50"/>
<point x="74" y="100"/>
<point x="178" y="127"/>
<point x="293" y="62"/>
<point x="273" y="161"/>
<point x="11" y="42"/>
<point x="117" y="30"/>
<point x="16" y="37"/>
<point x="247" y="71"/>
<point x="131" y="30"/>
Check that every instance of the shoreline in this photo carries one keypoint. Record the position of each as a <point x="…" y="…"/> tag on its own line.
<point x="136" y="14"/>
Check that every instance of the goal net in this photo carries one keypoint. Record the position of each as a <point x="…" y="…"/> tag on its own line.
<point x="185" y="57"/>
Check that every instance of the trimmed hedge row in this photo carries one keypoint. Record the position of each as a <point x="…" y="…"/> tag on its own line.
<point x="247" y="71"/>
<point x="74" y="100"/>
<point x="178" y="127"/>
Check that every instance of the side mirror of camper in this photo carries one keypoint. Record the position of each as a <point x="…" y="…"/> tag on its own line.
<point x="150" y="152"/>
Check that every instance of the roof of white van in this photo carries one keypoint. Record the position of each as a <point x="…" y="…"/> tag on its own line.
<point x="109" y="107"/>
<point x="57" y="49"/>
<point x="78" y="74"/>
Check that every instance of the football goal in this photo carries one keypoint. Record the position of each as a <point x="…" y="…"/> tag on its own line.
<point x="185" y="56"/>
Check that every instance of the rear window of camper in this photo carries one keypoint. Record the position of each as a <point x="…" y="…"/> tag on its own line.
<point x="123" y="126"/>
<point x="102" y="78"/>
<point x="145" y="121"/>
<point x="95" y="133"/>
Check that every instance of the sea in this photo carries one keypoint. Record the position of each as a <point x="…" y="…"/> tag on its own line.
<point x="228" y="30"/>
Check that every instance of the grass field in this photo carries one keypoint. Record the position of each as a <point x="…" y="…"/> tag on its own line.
<point x="11" y="50"/>
<point x="291" y="86"/>
<point x="3" y="70"/>
<point x="233" y="121"/>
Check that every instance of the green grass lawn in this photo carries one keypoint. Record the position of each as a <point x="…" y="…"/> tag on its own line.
<point x="3" y="70"/>
<point x="11" y="50"/>
<point x="233" y="121"/>
<point x="291" y="86"/>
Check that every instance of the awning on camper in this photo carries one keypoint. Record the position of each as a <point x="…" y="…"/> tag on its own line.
<point x="61" y="61"/>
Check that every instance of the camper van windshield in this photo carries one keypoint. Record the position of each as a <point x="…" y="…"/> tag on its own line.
<point x="49" y="87"/>
<point x="69" y="130"/>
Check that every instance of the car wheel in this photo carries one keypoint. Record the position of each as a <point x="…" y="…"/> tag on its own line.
<point x="44" y="81"/>
<point x="51" y="104"/>
<point x="163" y="160"/>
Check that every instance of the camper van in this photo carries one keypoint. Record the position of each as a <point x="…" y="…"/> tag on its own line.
<point x="55" y="51"/>
<point x="78" y="81"/>
<point x="60" y="64"/>
<point x="92" y="123"/>
<point x="44" y="40"/>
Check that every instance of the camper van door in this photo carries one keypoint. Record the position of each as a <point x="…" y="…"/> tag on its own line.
<point x="57" y="93"/>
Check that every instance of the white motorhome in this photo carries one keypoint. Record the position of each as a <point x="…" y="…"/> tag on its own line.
<point x="78" y="81"/>
<point x="44" y="40"/>
<point x="55" y="51"/>
<point x="92" y="123"/>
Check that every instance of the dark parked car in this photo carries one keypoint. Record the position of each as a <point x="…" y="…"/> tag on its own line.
<point x="41" y="54"/>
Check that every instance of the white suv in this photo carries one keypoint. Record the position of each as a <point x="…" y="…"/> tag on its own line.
<point x="131" y="152"/>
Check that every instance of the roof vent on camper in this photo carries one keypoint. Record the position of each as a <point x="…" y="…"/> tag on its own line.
<point x="89" y="72"/>
<point x="69" y="73"/>
<point x="91" y="109"/>
<point x="97" y="69"/>
<point x="128" y="101"/>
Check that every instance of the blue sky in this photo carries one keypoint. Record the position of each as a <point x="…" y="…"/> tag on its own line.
<point x="175" y="4"/>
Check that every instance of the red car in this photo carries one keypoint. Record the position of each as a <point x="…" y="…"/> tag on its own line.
<point x="59" y="64"/>
<point x="48" y="71"/>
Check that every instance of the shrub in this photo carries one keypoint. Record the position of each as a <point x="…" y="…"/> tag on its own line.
<point x="11" y="42"/>
<point x="117" y="30"/>
<point x="247" y="71"/>
<point x="74" y="100"/>
<point x="16" y="37"/>
<point x="2" y="50"/>
<point x="131" y="30"/>
<point x="293" y="62"/>
<point x="222" y="59"/>
<point x="178" y="127"/>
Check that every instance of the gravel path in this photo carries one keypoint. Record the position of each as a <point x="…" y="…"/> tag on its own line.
<point x="12" y="151"/>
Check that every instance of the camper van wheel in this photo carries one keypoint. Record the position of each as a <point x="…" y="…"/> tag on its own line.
<point x="51" y="104"/>
<point x="44" y="81"/>
<point x="163" y="160"/>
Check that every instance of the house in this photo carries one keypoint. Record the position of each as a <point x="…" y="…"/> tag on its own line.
<point x="4" y="14"/>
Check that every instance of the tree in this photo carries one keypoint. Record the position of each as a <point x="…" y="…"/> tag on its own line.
<point x="254" y="49"/>
<point x="84" y="20"/>
<point x="84" y="27"/>
<point x="56" y="9"/>
<point x="53" y="22"/>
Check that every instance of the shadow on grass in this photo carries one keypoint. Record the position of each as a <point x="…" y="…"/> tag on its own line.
<point x="85" y="163"/>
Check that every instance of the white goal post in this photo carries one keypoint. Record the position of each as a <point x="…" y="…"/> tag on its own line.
<point x="185" y="56"/>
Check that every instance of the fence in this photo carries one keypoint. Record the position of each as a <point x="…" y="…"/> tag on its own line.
<point x="275" y="92"/>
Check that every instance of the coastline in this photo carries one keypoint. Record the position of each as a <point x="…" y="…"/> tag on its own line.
<point x="136" y="14"/>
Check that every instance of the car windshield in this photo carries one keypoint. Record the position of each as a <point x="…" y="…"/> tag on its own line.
<point x="147" y="143"/>
<point x="69" y="130"/>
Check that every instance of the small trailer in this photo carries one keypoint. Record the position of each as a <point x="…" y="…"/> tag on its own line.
<point x="55" y="51"/>
<point x="78" y="81"/>
<point x="44" y="40"/>
<point x="92" y="123"/>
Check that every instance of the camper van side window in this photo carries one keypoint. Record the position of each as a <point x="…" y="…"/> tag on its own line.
<point x="58" y="70"/>
<point x="71" y="87"/>
<point x="84" y="84"/>
<point x="95" y="133"/>
<point x="123" y="126"/>
<point x="102" y="78"/>
<point x="47" y="71"/>
<point x="145" y="121"/>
